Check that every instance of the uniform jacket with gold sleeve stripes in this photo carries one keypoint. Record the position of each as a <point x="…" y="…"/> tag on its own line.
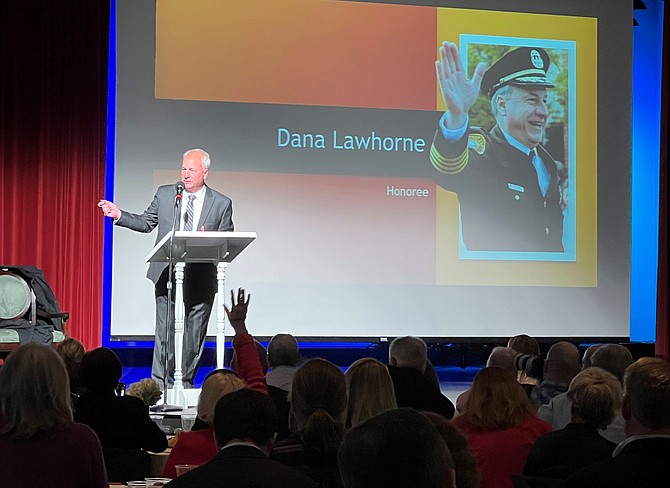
<point x="501" y="204"/>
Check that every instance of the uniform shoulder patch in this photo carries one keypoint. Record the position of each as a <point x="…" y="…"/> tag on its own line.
<point x="477" y="143"/>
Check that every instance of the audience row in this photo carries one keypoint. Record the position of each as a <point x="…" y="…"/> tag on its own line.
<point x="525" y="421"/>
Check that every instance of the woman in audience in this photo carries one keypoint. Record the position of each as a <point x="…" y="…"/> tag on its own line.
<point x="318" y="409"/>
<point x="199" y="446"/>
<point x="465" y="464"/>
<point x="500" y="425"/>
<point x="369" y="390"/>
<point x="40" y="445"/>
<point x="596" y="396"/>
<point x="72" y="351"/>
<point x="122" y="423"/>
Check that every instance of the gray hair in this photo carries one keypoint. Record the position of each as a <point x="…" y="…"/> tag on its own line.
<point x="206" y="160"/>
<point x="503" y="93"/>
<point x="409" y="352"/>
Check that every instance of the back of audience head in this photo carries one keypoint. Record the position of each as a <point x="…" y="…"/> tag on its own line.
<point x="465" y="463"/>
<point x="283" y="350"/>
<point x="370" y="390"/>
<point x="214" y="388"/>
<point x="34" y="392"/>
<point x="397" y="448"/>
<point x="318" y="405"/>
<point x="503" y="357"/>
<point x="562" y="363"/>
<point x="408" y="352"/>
<point x="246" y="415"/>
<point x="595" y="396"/>
<point x="614" y="358"/>
<point x="496" y="401"/>
<point x="588" y="354"/>
<point x="524" y="344"/>
<point x="72" y="351"/>
<point x="100" y="370"/>
<point x="646" y="397"/>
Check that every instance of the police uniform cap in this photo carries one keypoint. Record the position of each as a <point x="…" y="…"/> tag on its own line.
<point x="524" y="66"/>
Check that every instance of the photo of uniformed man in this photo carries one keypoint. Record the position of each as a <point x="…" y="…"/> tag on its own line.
<point x="510" y="189"/>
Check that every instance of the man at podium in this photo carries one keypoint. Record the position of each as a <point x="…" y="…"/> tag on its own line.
<point x="203" y="209"/>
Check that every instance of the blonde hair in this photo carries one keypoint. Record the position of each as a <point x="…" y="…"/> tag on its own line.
<point x="496" y="401"/>
<point x="596" y="396"/>
<point x="370" y="390"/>
<point x="213" y="388"/>
<point x="34" y="392"/>
<point x="71" y="350"/>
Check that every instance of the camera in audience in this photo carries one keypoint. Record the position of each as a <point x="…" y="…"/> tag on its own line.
<point x="533" y="366"/>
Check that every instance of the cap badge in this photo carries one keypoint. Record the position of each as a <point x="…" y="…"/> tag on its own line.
<point x="536" y="59"/>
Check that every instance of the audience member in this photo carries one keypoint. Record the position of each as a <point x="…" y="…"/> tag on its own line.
<point x="40" y="444"/>
<point x="586" y="358"/>
<point x="71" y="350"/>
<point x="613" y="358"/>
<point x="245" y="424"/>
<point x="465" y="464"/>
<point x="407" y="364"/>
<point x="369" y="390"/>
<point x="561" y="365"/>
<point x="318" y="409"/>
<point x="198" y="447"/>
<point x="524" y="344"/>
<point x="396" y="449"/>
<point x="501" y="357"/>
<point x="278" y="395"/>
<point x="595" y="396"/>
<point x="642" y="459"/>
<point x="283" y="357"/>
<point x="122" y="423"/>
<point x="500" y="425"/>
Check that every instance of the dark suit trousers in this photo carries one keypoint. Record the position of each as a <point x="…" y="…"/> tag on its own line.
<point x="199" y="293"/>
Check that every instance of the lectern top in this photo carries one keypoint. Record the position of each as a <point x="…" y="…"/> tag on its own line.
<point x="201" y="246"/>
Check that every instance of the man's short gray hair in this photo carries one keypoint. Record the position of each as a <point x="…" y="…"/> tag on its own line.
<point x="206" y="160"/>
<point x="409" y="352"/>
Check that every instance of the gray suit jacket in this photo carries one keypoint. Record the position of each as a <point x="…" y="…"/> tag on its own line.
<point x="216" y="215"/>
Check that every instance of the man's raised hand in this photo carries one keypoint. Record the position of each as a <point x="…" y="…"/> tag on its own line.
<point x="458" y="92"/>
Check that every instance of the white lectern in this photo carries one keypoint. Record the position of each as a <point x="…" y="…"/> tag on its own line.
<point x="218" y="248"/>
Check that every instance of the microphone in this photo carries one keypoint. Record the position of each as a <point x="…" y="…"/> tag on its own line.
<point x="179" y="187"/>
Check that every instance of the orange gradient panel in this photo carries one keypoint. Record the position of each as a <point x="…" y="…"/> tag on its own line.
<point x="303" y="52"/>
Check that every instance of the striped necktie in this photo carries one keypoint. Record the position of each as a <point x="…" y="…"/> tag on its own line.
<point x="188" y="218"/>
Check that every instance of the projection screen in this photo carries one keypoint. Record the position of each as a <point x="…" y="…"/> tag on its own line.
<point x="320" y="116"/>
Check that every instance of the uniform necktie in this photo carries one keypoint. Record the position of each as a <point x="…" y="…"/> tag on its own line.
<point x="542" y="173"/>
<point x="188" y="224"/>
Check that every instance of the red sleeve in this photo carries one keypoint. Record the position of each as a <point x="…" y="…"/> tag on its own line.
<point x="248" y="364"/>
<point x="197" y="447"/>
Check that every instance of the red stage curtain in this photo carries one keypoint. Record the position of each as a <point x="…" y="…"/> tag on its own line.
<point x="53" y="97"/>
<point x="662" y="324"/>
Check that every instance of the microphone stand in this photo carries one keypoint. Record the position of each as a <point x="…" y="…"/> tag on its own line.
<point x="165" y="407"/>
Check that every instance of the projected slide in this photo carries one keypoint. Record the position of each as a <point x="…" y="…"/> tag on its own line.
<point x="327" y="124"/>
